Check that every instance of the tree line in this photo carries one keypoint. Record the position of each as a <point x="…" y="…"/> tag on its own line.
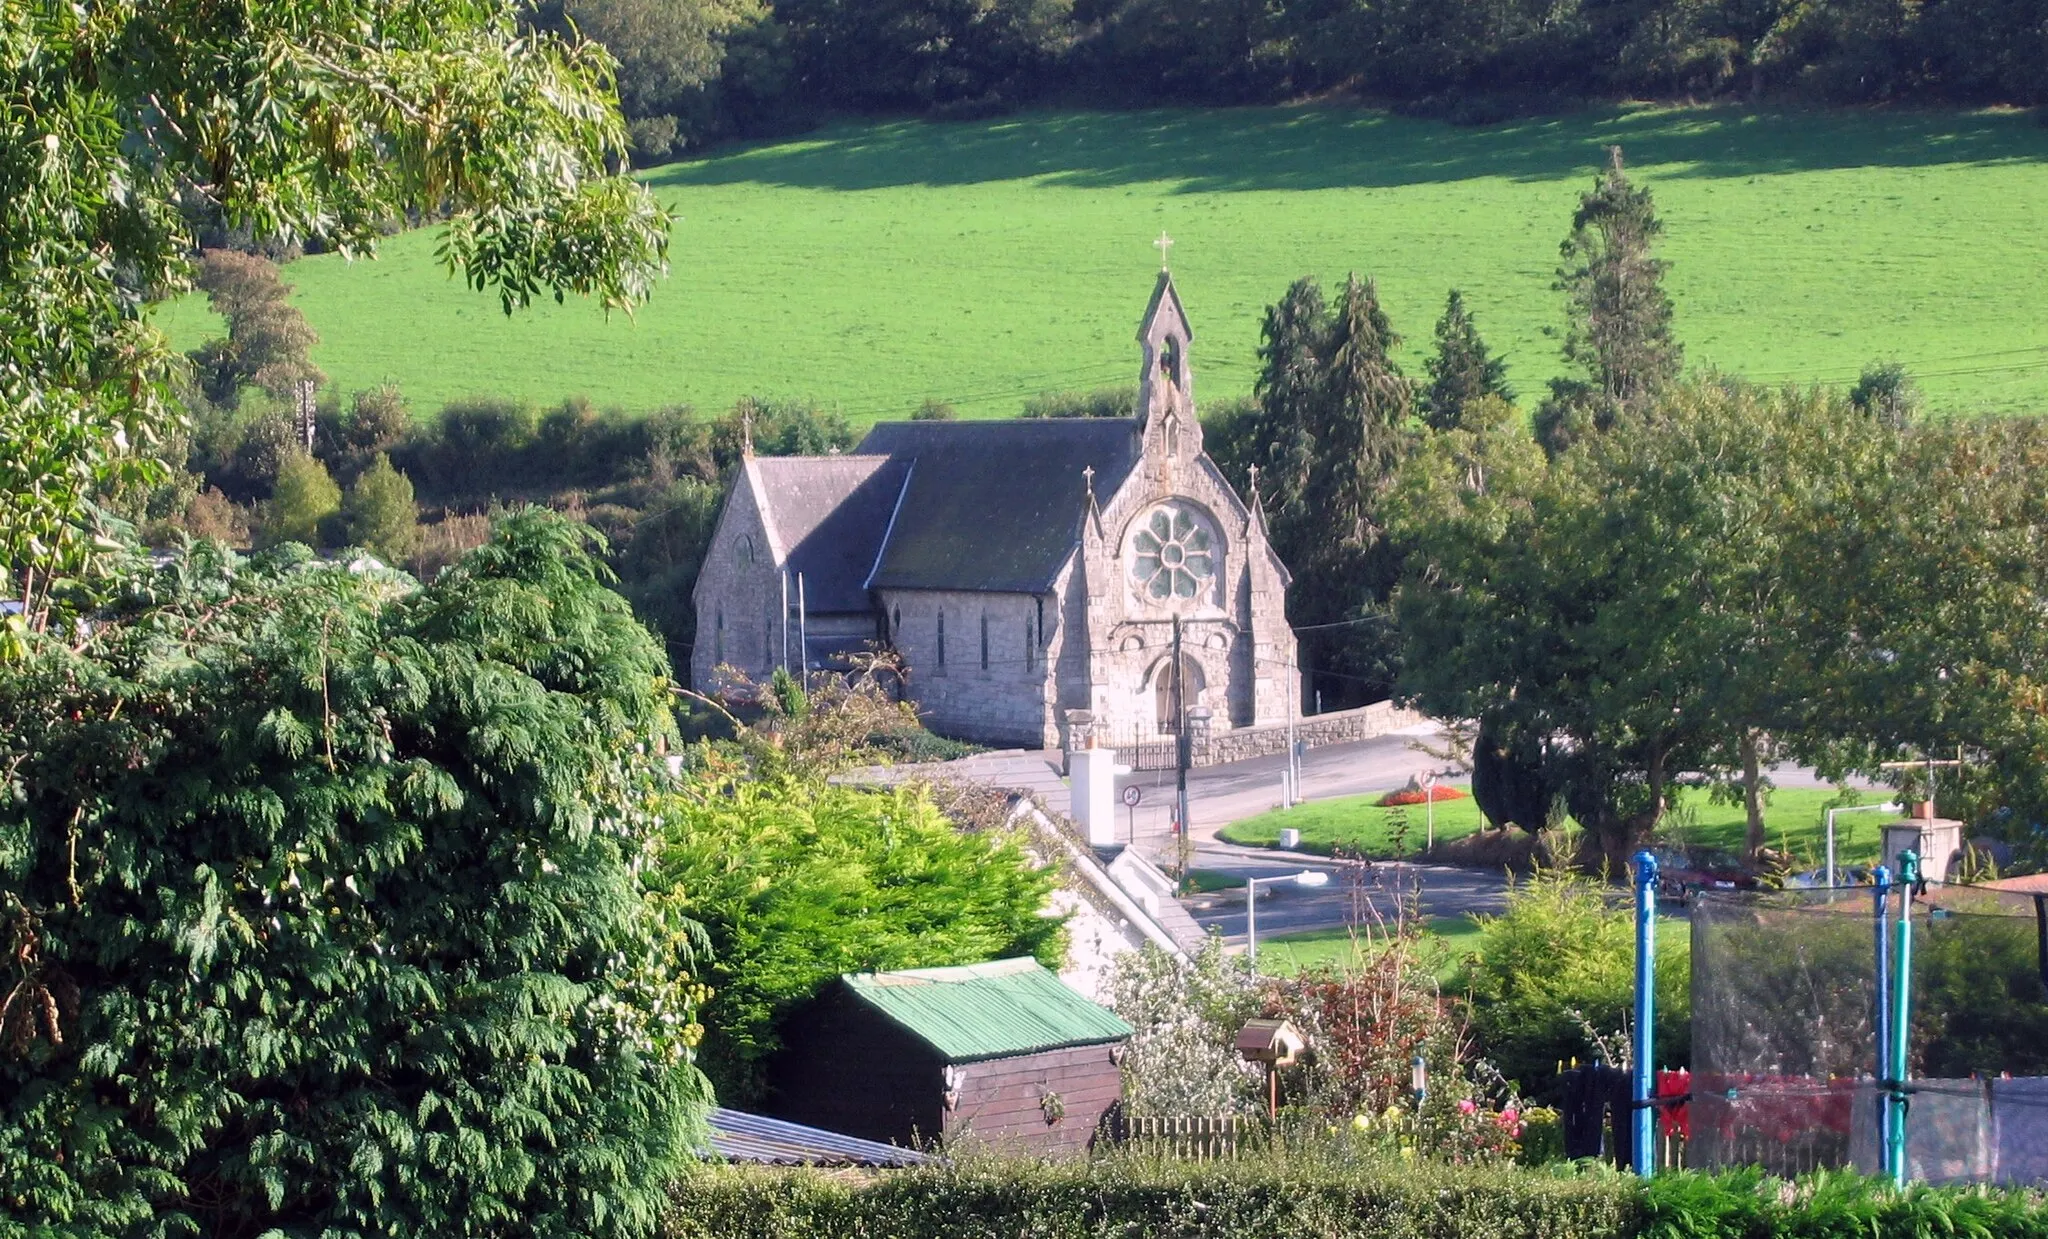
<point x="1650" y="578"/>
<point x="694" y="70"/>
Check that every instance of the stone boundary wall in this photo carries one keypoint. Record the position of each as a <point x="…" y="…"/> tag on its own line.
<point x="1214" y="748"/>
<point x="1314" y="731"/>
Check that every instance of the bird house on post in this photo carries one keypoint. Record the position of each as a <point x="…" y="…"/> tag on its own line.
<point x="1276" y="1043"/>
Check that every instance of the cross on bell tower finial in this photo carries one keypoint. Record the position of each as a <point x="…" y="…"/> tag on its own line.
<point x="1088" y="480"/>
<point x="1163" y="245"/>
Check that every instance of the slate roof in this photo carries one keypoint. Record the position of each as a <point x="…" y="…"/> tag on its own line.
<point x="737" y="1136"/>
<point x="829" y="514"/>
<point x="994" y="1010"/>
<point x="994" y="506"/>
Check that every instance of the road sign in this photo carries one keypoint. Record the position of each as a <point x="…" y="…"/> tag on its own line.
<point x="1132" y="795"/>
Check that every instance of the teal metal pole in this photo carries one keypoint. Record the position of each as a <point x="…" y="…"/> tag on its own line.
<point x="1902" y="1017"/>
<point x="1881" y="904"/>
<point x="1643" y="1129"/>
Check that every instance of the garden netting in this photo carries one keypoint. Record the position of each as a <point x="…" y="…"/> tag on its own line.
<point x="1785" y="1053"/>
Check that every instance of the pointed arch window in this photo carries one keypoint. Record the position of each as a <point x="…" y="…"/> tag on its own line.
<point x="984" y="640"/>
<point x="718" y="634"/>
<point x="942" y="640"/>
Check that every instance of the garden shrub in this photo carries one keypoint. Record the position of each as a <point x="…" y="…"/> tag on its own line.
<point x="1560" y="961"/>
<point x="1309" y="1193"/>
<point x="1294" y="1195"/>
<point x="797" y="881"/>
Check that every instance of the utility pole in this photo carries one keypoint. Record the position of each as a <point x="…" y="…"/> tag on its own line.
<point x="1182" y="749"/>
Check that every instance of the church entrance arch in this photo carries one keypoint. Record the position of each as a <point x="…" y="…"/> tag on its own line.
<point x="1167" y="710"/>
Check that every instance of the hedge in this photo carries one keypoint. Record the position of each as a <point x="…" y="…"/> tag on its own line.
<point x="1121" y="1198"/>
<point x="1124" y="1198"/>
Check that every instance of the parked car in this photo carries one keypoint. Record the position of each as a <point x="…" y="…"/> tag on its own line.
<point x="1682" y="871"/>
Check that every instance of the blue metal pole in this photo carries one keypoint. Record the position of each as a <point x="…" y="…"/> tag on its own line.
<point x="1902" y="1012"/>
<point x="1643" y="1129"/>
<point x="1881" y="901"/>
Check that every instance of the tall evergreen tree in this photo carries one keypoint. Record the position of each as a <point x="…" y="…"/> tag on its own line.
<point x="1462" y="370"/>
<point x="1620" y="337"/>
<point x="1288" y="386"/>
<point x="1361" y="413"/>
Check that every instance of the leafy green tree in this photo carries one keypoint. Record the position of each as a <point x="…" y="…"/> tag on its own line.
<point x="1462" y="370"/>
<point x="305" y="496"/>
<point x="382" y="516"/>
<point x="1888" y="393"/>
<point x="1620" y="336"/>
<point x="1647" y="605"/>
<point x="323" y="886"/>
<point x="125" y="124"/>
<point x="268" y="340"/>
<point x="923" y="52"/>
<point x="796" y="881"/>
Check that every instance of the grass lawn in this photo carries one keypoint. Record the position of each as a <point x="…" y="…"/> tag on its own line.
<point x="1793" y="819"/>
<point x="873" y="265"/>
<point x="1284" y="953"/>
<point x="1357" y="824"/>
<point x="1209" y="881"/>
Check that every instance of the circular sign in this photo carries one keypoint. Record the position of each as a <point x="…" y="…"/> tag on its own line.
<point x="1132" y="795"/>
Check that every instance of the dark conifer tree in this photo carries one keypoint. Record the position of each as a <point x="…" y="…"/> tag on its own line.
<point x="1620" y="338"/>
<point x="1462" y="370"/>
<point x="1288" y="387"/>
<point x="1361" y="415"/>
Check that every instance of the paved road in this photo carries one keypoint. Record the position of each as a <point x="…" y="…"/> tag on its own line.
<point x="1220" y="795"/>
<point x="1352" y="897"/>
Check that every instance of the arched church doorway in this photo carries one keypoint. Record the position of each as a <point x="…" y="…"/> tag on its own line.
<point x="1167" y="694"/>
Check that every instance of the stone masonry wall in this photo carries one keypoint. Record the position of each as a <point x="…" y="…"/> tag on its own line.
<point x="1216" y="748"/>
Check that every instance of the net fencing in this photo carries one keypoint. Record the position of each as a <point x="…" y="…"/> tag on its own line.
<point x="1787" y="1072"/>
<point x="1784" y="1001"/>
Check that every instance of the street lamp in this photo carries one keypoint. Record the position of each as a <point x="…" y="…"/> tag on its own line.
<point x="1308" y="879"/>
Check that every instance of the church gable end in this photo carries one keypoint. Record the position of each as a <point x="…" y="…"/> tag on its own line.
<point x="1022" y="568"/>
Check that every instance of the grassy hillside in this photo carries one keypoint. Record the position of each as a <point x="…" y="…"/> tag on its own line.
<point x="872" y="266"/>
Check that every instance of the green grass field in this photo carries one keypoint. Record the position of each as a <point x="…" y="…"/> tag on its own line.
<point x="1794" y="820"/>
<point x="870" y="266"/>
<point x="1459" y="937"/>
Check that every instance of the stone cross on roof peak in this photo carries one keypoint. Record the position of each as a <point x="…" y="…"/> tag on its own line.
<point x="1163" y="245"/>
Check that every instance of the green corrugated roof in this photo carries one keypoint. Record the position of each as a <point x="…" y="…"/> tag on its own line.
<point x="1011" y="1006"/>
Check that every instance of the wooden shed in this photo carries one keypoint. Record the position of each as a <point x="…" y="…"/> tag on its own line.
<point x="1004" y="1052"/>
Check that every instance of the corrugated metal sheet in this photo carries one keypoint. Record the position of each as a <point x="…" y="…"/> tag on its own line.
<point x="994" y="1010"/>
<point x="740" y="1137"/>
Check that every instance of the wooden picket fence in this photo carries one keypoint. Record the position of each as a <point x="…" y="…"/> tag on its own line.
<point x="1196" y="1137"/>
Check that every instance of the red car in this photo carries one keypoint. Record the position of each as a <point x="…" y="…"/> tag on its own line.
<point x="1681" y="871"/>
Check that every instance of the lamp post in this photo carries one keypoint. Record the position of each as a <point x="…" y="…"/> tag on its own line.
<point x="1889" y="806"/>
<point x="1308" y="879"/>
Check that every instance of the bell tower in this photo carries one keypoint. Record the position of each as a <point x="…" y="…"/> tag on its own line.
<point x="1166" y="388"/>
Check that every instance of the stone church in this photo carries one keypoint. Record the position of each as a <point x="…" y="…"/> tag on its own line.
<point x="1021" y="569"/>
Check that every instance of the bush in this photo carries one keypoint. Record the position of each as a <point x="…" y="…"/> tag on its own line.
<point x="1290" y="1196"/>
<point x="1183" y="1058"/>
<point x="797" y="881"/>
<point x="304" y="497"/>
<point x="1102" y="402"/>
<point x="1556" y="968"/>
<point x="1309" y="1194"/>
<point x="381" y="516"/>
<point x="325" y="888"/>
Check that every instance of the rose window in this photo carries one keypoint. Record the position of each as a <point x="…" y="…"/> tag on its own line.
<point x="1175" y="555"/>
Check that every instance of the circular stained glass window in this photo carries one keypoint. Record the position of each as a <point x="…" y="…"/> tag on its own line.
<point x="1174" y="555"/>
